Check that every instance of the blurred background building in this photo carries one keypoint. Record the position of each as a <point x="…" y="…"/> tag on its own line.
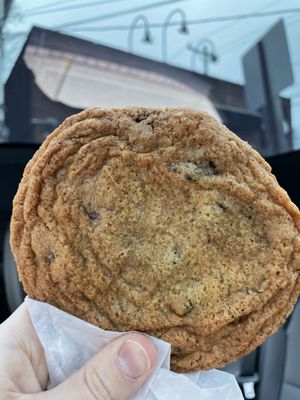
<point x="197" y="49"/>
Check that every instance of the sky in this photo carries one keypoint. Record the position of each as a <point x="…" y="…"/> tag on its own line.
<point x="108" y="21"/>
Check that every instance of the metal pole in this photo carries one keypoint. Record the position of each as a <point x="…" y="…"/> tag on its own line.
<point x="133" y="24"/>
<point x="207" y="50"/>
<point x="164" y="28"/>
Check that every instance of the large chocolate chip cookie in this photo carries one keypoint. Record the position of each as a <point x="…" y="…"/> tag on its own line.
<point x="162" y="221"/>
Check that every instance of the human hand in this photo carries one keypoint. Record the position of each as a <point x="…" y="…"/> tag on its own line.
<point x="116" y="372"/>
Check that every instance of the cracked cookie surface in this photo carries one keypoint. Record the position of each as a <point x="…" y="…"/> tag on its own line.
<point x="162" y="221"/>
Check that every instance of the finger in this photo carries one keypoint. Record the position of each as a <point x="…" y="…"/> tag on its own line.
<point x="22" y="354"/>
<point x="116" y="372"/>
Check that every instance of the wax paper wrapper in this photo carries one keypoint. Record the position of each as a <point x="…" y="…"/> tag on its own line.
<point x="69" y="343"/>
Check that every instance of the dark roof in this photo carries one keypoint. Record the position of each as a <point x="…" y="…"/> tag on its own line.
<point x="218" y="90"/>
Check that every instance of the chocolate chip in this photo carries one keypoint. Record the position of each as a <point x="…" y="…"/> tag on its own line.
<point x="205" y="168"/>
<point x="141" y="117"/>
<point x="222" y="206"/>
<point x="93" y="215"/>
<point x="238" y="320"/>
<point x="188" y="307"/>
<point x="188" y="177"/>
<point x="202" y="168"/>
<point x="177" y="251"/>
<point x="212" y="165"/>
<point x="177" y="350"/>
<point x="194" y="170"/>
<point x="49" y="257"/>
<point x="173" y="167"/>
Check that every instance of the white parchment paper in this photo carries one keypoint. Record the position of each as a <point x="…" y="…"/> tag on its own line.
<point x="69" y="342"/>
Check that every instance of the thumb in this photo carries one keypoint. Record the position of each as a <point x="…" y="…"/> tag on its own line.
<point x="116" y="372"/>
